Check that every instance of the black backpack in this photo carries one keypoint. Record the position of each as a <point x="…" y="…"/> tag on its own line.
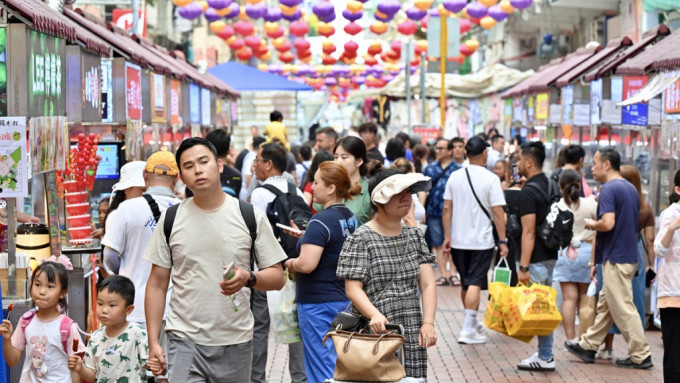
<point x="556" y="231"/>
<point x="284" y="208"/>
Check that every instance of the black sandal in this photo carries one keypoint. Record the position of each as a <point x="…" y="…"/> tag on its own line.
<point x="454" y="281"/>
<point x="441" y="281"/>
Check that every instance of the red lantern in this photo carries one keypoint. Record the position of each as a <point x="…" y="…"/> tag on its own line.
<point x="465" y="50"/>
<point x="244" y="53"/>
<point x="370" y="60"/>
<point x="328" y="60"/>
<point x="237" y="44"/>
<point x="226" y="33"/>
<point x="283" y="46"/>
<point x="286" y="57"/>
<point x="396" y="46"/>
<point x="464" y="25"/>
<point x="375" y="48"/>
<point x="407" y="27"/>
<point x="351" y="46"/>
<point x="301" y="44"/>
<point x="350" y="54"/>
<point x="253" y="42"/>
<point x="325" y="29"/>
<point x="275" y="34"/>
<point x="244" y="28"/>
<point x="353" y="28"/>
<point x="327" y="47"/>
<point x="298" y="28"/>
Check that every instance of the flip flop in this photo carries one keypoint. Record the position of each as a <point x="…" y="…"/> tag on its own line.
<point x="454" y="281"/>
<point x="441" y="281"/>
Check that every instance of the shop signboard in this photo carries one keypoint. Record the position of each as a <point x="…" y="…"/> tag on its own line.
<point x="107" y="90"/>
<point x="3" y="72"/>
<point x="567" y="104"/>
<point x="555" y="116"/>
<point x="595" y="101"/>
<point x="635" y="114"/>
<point x="158" y="112"/>
<point x="542" y="106"/>
<point x="194" y="104"/>
<point x="517" y="109"/>
<point x="205" y="107"/>
<point x="530" y="109"/>
<point x="91" y="87"/>
<point x="14" y="166"/>
<point x="427" y="132"/>
<point x="507" y="112"/>
<point x="175" y="102"/>
<point x="46" y="74"/>
<point x="133" y="97"/>
<point x="671" y="97"/>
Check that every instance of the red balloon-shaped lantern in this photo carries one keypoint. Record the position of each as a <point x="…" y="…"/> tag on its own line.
<point x="244" y="53"/>
<point x="298" y="28"/>
<point x="352" y="28"/>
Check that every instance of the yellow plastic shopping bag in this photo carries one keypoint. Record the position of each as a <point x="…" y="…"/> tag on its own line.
<point x="530" y="310"/>
<point x="493" y="316"/>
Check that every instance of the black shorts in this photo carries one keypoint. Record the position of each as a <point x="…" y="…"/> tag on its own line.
<point x="473" y="266"/>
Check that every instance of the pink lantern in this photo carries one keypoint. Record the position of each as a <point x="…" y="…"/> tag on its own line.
<point x="244" y="28"/>
<point x="407" y="27"/>
<point x="298" y="28"/>
<point x="353" y="28"/>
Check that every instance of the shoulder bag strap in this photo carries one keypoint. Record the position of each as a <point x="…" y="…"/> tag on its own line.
<point x="276" y="191"/>
<point x="248" y="214"/>
<point x="154" y="207"/>
<point x="467" y="173"/>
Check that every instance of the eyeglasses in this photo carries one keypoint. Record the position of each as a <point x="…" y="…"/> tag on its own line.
<point x="439" y="148"/>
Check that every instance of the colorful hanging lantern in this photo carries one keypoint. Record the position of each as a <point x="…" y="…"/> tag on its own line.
<point x="244" y="53"/>
<point x="287" y="57"/>
<point x="352" y="28"/>
<point x="211" y="15"/>
<point x="282" y="45"/>
<point x="263" y="67"/>
<point x="295" y="16"/>
<point x="253" y="42"/>
<point x="298" y="28"/>
<point x="323" y="9"/>
<point x="273" y="15"/>
<point x="415" y="14"/>
<point x="473" y="44"/>
<point x="290" y="3"/>
<point x="244" y="28"/>
<point x="182" y="3"/>
<point x="219" y="4"/>
<point x="465" y="50"/>
<point x="421" y="46"/>
<point x="325" y="29"/>
<point x="389" y="7"/>
<point x="256" y="11"/>
<point x="301" y="44"/>
<point x="355" y="6"/>
<point x="351" y="16"/>
<point x="407" y="27"/>
<point x="506" y="6"/>
<point x="423" y="5"/>
<point x="286" y="10"/>
<point x="521" y="4"/>
<point x="454" y="6"/>
<point x="464" y="25"/>
<point x="378" y="27"/>
<point x="236" y="43"/>
<point x="488" y="3"/>
<point x="217" y="26"/>
<point x="487" y="22"/>
<point x="191" y="11"/>
<point x="375" y="48"/>
<point x="497" y="13"/>
<point x="327" y="47"/>
<point x="328" y="59"/>
<point x="476" y="10"/>
<point x="370" y="60"/>
<point x="234" y="10"/>
<point x="227" y="32"/>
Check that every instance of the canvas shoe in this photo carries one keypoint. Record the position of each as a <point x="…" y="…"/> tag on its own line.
<point x="627" y="363"/>
<point x="471" y="337"/>
<point x="587" y="356"/>
<point x="480" y="328"/>
<point x="534" y="363"/>
<point x="605" y="354"/>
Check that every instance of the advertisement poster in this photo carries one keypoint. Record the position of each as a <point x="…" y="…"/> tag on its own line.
<point x="194" y="104"/>
<point x="567" y="104"/>
<point x="617" y="89"/>
<point x="91" y="86"/>
<point x="159" y="114"/>
<point x="49" y="141"/>
<point x="175" y="102"/>
<point x="205" y="106"/>
<point x="14" y="165"/>
<point x="530" y="109"/>
<point x="542" y="106"/>
<point x="107" y="91"/>
<point x="555" y="116"/>
<point x="3" y="72"/>
<point x="427" y="132"/>
<point x="671" y="97"/>
<point x="133" y="97"/>
<point x="595" y="101"/>
<point x="635" y="114"/>
<point x="517" y="109"/>
<point x="46" y="75"/>
<point x="123" y="18"/>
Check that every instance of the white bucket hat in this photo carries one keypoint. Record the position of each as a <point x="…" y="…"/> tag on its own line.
<point x="131" y="175"/>
<point x="393" y="185"/>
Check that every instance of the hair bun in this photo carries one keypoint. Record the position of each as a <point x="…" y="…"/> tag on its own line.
<point x="373" y="167"/>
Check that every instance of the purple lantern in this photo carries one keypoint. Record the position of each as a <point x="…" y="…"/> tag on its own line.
<point x="415" y="14"/>
<point x="211" y="15"/>
<point x="454" y="6"/>
<point x="389" y="7"/>
<point x="351" y="16"/>
<point x="295" y="16"/>
<point x="234" y="10"/>
<point x="497" y="13"/>
<point x="191" y="11"/>
<point x="388" y="78"/>
<point x="256" y="11"/>
<point x="359" y="80"/>
<point x="273" y="15"/>
<point x="386" y="19"/>
<point x="434" y="12"/>
<point x="290" y="3"/>
<point x="330" y="81"/>
<point x="476" y="10"/>
<point x="219" y="4"/>
<point x="329" y="18"/>
<point x="323" y="9"/>
<point x="521" y="4"/>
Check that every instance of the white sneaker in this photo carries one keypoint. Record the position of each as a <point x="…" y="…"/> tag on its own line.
<point x="605" y="355"/>
<point x="471" y="337"/>
<point x="480" y="328"/>
<point x="534" y="363"/>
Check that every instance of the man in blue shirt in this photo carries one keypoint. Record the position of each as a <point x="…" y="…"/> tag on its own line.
<point x="440" y="171"/>
<point x="617" y="233"/>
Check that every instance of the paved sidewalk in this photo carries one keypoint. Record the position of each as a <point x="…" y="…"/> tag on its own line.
<point x="496" y="360"/>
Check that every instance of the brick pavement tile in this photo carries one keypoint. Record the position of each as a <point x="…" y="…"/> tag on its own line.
<point x="496" y="360"/>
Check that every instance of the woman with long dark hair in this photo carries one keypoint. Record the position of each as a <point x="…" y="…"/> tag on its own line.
<point x="307" y="189"/>
<point x="350" y="152"/>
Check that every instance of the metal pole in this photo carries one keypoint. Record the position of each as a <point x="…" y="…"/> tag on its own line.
<point x="443" y="35"/>
<point x="407" y="69"/>
<point x="135" y="16"/>
<point x="423" y="71"/>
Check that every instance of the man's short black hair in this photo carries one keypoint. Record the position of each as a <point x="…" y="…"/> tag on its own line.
<point x="190" y="143"/>
<point x="220" y="140"/>
<point x="118" y="284"/>
<point x="609" y="153"/>
<point x="573" y="154"/>
<point x="305" y="152"/>
<point x="368" y="127"/>
<point x="449" y="143"/>
<point x="328" y="132"/>
<point x="457" y="139"/>
<point x="257" y="141"/>
<point x="275" y="116"/>
<point x="276" y="154"/>
<point x="497" y="137"/>
<point x="534" y="150"/>
<point x="395" y="149"/>
<point x="404" y="137"/>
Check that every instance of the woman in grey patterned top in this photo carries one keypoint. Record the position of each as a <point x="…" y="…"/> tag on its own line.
<point x="384" y="264"/>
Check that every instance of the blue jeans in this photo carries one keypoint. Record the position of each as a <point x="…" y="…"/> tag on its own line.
<point x="315" y="320"/>
<point x="541" y="272"/>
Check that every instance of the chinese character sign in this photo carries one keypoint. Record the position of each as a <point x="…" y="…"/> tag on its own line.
<point x="542" y="106"/>
<point x="91" y="73"/>
<point x="133" y="96"/>
<point x="205" y="106"/>
<point x="107" y="91"/>
<point x="46" y="75"/>
<point x="175" y="102"/>
<point x="635" y="114"/>
<point x="159" y="114"/>
<point x="194" y="104"/>
<point x="672" y="98"/>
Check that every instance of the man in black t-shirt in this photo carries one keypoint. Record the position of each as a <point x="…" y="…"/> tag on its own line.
<point x="368" y="132"/>
<point x="537" y="261"/>
<point x="230" y="177"/>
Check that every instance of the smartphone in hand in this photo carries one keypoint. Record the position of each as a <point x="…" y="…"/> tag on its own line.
<point x="289" y="228"/>
<point x="228" y="272"/>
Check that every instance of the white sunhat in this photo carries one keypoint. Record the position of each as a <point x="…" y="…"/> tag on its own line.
<point x="131" y="175"/>
<point x="397" y="183"/>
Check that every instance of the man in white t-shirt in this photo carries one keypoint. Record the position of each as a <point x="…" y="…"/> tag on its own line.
<point x="209" y="324"/>
<point x="270" y="164"/>
<point x="472" y="200"/>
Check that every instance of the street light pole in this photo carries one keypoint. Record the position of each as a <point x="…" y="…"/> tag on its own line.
<point x="407" y="73"/>
<point x="443" y="35"/>
<point x="135" y="16"/>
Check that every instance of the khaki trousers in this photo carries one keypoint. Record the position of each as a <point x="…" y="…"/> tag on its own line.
<point x="615" y="304"/>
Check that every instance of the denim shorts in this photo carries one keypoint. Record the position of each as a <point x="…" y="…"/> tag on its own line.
<point x="435" y="231"/>
<point x="577" y="270"/>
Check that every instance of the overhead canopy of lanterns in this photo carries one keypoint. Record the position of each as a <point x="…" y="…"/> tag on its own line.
<point x="337" y="68"/>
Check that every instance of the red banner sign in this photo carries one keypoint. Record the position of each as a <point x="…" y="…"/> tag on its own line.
<point x="133" y="97"/>
<point x="123" y="19"/>
<point x="632" y="85"/>
<point x="672" y="98"/>
<point x="175" y="102"/>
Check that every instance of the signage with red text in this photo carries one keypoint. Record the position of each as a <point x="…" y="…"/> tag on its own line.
<point x="175" y="102"/>
<point x="133" y="96"/>
<point x="635" y="114"/>
<point x="123" y="19"/>
<point x="671" y="98"/>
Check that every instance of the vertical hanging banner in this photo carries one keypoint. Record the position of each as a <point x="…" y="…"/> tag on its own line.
<point x="175" y="102"/>
<point x="671" y="98"/>
<point x="452" y="36"/>
<point x="107" y="91"/>
<point x="595" y="101"/>
<point x="159" y="113"/>
<point x="205" y="107"/>
<point x="635" y="114"/>
<point x="46" y="75"/>
<point x="133" y="97"/>
<point x="542" y="106"/>
<point x="13" y="163"/>
<point x="194" y="104"/>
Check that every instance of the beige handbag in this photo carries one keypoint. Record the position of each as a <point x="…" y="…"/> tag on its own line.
<point x="366" y="357"/>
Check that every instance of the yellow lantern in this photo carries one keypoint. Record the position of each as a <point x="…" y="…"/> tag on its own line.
<point x="253" y="1"/>
<point x="423" y="5"/>
<point x="422" y="45"/>
<point x="203" y="4"/>
<point x="287" y="68"/>
<point x="488" y="3"/>
<point x="355" y="6"/>
<point x="506" y="6"/>
<point x="266" y="57"/>
<point x="473" y="44"/>
<point x="263" y="67"/>
<point x="487" y="22"/>
<point x="182" y="3"/>
<point x="223" y="12"/>
<point x="288" y="11"/>
<point x="217" y="26"/>
<point x="270" y="28"/>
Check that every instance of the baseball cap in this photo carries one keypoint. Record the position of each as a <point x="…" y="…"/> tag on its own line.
<point x="131" y="175"/>
<point x="165" y="158"/>
<point x="476" y="145"/>
<point x="397" y="183"/>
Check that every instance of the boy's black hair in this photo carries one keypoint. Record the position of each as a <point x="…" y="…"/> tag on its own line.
<point x="574" y="153"/>
<point x="120" y="285"/>
<point x="306" y="152"/>
<point x="190" y="143"/>
<point x="220" y="140"/>
<point x="534" y="150"/>
<point x="53" y="271"/>
<point x="457" y="139"/>
<point x="275" y="116"/>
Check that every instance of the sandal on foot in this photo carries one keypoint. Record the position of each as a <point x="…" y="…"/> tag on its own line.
<point x="441" y="281"/>
<point x="454" y="281"/>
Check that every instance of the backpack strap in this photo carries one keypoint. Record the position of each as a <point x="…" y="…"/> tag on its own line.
<point x="248" y="214"/>
<point x="170" y="215"/>
<point x="26" y="318"/>
<point x="65" y="330"/>
<point x="292" y="189"/>
<point x="154" y="207"/>
<point x="272" y="189"/>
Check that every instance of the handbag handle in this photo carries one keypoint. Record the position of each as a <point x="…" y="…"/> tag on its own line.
<point x="376" y="349"/>
<point x="503" y="260"/>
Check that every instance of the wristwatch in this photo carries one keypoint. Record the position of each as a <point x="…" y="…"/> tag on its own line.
<point x="252" y="281"/>
<point x="502" y="241"/>
<point x="524" y="269"/>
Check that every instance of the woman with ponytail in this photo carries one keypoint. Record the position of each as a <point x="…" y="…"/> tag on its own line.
<point x="572" y="269"/>
<point x="320" y="294"/>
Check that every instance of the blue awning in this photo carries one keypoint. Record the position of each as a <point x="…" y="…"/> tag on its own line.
<point x="245" y="78"/>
